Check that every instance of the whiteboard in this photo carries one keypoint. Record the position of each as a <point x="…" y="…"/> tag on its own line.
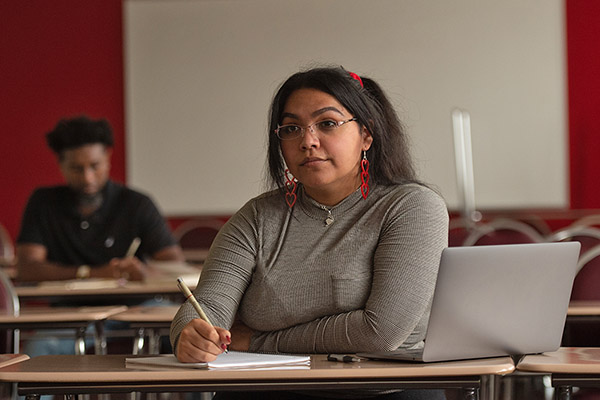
<point x="200" y="75"/>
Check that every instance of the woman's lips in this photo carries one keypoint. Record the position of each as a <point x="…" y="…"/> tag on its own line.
<point x="311" y="161"/>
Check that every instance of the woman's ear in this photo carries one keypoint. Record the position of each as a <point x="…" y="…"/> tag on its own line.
<point x="367" y="138"/>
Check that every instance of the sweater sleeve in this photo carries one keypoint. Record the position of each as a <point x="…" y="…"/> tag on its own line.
<point x="405" y="267"/>
<point x="232" y="258"/>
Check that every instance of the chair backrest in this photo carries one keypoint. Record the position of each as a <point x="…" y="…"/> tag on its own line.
<point x="588" y="236"/>
<point x="458" y="230"/>
<point x="503" y="231"/>
<point x="587" y="282"/>
<point x="197" y="233"/>
<point x="9" y="305"/>
<point x="9" y="301"/>
<point x="588" y="220"/>
<point x="7" y="249"/>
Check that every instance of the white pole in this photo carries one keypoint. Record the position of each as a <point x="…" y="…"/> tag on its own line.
<point x="463" y="154"/>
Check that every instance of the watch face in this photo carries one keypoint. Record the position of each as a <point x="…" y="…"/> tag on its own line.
<point x="83" y="272"/>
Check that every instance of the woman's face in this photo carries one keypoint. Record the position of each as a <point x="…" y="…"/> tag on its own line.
<point x="326" y="163"/>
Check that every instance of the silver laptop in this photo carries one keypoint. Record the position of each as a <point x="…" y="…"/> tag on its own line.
<point x="497" y="300"/>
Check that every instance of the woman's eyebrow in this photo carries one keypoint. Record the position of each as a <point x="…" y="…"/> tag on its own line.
<point x="314" y="114"/>
<point x="325" y="109"/>
<point x="289" y="115"/>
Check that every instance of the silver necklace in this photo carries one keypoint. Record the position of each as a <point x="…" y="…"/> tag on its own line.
<point x="329" y="220"/>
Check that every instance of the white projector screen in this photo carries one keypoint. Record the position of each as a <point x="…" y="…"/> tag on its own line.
<point x="200" y="76"/>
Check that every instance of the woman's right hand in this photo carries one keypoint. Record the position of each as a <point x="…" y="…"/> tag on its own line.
<point x="201" y="342"/>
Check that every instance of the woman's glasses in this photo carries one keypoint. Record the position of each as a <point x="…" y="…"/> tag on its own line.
<point x="325" y="128"/>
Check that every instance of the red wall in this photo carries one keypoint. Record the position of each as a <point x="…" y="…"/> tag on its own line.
<point x="57" y="58"/>
<point x="583" y="64"/>
<point x="64" y="57"/>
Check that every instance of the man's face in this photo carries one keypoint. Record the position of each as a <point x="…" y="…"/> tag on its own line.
<point x="86" y="168"/>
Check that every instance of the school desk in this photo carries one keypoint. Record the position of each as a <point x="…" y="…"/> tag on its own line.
<point x="161" y="281"/>
<point x="76" y="318"/>
<point x="582" y="316"/>
<point x="151" y="322"/>
<point x="582" y="308"/>
<point x="8" y="388"/>
<point x="95" y="374"/>
<point x="569" y="366"/>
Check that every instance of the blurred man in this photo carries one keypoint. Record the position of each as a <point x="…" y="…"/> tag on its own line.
<point x="86" y="227"/>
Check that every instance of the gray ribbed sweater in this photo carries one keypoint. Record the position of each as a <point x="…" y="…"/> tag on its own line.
<point x="363" y="283"/>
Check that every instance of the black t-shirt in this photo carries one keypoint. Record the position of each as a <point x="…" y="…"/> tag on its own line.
<point x="52" y="220"/>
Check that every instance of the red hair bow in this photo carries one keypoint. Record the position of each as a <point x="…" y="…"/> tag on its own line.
<point x="354" y="76"/>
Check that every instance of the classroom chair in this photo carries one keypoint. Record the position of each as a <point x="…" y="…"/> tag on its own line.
<point x="9" y="305"/>
<point x="196" y="236"/>
<point x="587" y="235"/>
<point x="7" y="250"/>
<point x="458" y="230"/>
<point x="503" y="231"/>
<point x="587" y="281"/>
<point x="588" y="220"/>
<point x="586" y="287"/>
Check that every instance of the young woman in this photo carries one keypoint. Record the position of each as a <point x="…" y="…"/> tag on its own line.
<point x="344" y="255"/>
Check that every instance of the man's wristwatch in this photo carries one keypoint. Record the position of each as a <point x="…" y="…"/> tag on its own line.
<point x="83" y="272"/>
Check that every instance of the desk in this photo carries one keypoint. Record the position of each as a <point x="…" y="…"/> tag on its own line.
<point x="147" y="321"/>
<point x="195" y="256"/>
<point x="77" y="318"/>
<point x="582" y="317"/>
<point x="128" y="291"/>
<point x="569" y="366"/>
<point x="92" y="374"/>
<point x="10" y="359"/>
<point x="584" y="308"/>
<point x="161" y="281"/>
<point x="8" y="388"/>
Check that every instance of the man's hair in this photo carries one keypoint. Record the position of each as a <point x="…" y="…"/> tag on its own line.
<point x="71" y="133"/>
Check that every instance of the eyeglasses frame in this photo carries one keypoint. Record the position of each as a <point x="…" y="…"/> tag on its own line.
<point x="303" y="129"/>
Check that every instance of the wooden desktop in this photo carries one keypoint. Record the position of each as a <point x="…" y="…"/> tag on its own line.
<point x="569" y="367"/>
<point x="160" y="281"/>
<point x="94" y="374"/>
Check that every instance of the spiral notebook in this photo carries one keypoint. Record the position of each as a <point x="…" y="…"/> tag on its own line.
<point x="232" y="359"/>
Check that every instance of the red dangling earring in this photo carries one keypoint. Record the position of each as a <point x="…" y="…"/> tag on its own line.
<point x="364" y="175"/>
<point x="291" y="184"/>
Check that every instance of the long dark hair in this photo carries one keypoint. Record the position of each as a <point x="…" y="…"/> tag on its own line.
<point x="389" y="156"/>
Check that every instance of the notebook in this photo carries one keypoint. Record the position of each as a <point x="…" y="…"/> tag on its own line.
<point x="497" y="300"/>
<point x="232" y="359"/>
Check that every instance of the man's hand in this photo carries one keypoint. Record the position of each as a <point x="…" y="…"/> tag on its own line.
<point x="130" y="268"/>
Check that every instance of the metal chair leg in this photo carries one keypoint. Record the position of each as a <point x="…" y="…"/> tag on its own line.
<point x="80" y="341"/>
<point x="100" y="338"/>
<point x="138" y="341"/>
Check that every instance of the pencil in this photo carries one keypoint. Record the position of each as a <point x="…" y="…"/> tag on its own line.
<point x="135" y="243"/>
<point x="188" y="294"/>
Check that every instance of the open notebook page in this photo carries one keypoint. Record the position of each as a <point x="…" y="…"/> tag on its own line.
<point x="232" y="359"/>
